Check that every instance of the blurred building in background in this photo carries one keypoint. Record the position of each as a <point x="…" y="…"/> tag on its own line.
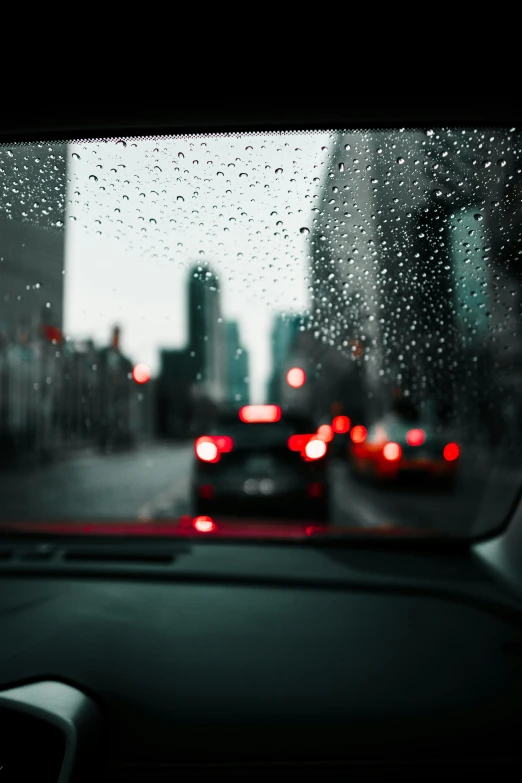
<point x="237" y="366"/>
<point x="193" y="381"/>
<point x="32" y="251"/>
<point x="285" y="354"/>
<point x="405" y="265"/>
<point x="206" y="342"/>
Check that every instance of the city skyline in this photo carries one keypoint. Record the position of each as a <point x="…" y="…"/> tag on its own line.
<point x="236" y="203"/>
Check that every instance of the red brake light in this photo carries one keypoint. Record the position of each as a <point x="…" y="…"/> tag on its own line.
<point x="203" y="524"/>
<point x="358" y="434"/>
<point x="451" y="452"/>
<point x="298" y="442"/>
<point x="325" y="433"/>
<point x="341" y="424"/>
<point x="315" y="448"/>
<point x="209" y="448"/>
<point x="415" y="437"/>
<point x="392" y="452"/>
<point x="260" y="413"/>
<point x="223" y="442"/>
<point x="206" y="449"/>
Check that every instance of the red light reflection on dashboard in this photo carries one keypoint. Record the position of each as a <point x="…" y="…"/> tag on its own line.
<point x="203" y="525"/>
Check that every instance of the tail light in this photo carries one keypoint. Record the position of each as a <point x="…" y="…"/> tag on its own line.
<point x="259" y="413"/>
<point x="358" y="434"/>
<point x="298" y="442"/>
<point x="210" y="447"/>
<point x="204" y="525"/>
<point x="224" y="443"/>
<point x="392" y="452"/>
<point x="325" y="433"/>
<point x="206" y="449"/>
<point x="341" y="425"/>
<point x="315" y="448"/>
<point x="451" y="452"/>
<point x="415" y="437"/>
<point x="311" y="446"/>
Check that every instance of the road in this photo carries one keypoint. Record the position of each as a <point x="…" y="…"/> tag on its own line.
<point x="151" y="482"/>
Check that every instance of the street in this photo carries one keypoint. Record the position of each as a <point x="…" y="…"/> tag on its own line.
<point x="151" y="482"/>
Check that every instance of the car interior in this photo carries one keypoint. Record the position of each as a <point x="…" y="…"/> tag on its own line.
<point x="139" y="655"/>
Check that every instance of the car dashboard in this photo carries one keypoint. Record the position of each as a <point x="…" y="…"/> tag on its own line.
<point x="206" y="660"/>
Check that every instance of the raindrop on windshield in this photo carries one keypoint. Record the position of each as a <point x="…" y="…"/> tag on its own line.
<point x="305" y="230"/>
<point x="93" y="177"/>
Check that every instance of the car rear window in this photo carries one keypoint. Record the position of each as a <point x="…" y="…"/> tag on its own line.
<point x="252" y="436"/>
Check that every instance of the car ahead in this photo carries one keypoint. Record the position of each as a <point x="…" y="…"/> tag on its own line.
<point x="261" y="462"/>
<point x="393" y="449"/>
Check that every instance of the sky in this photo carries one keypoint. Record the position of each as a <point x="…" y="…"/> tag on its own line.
<point x="142" y="212"/>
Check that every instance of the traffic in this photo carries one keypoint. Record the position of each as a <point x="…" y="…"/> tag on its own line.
<point x="263" y="463"/>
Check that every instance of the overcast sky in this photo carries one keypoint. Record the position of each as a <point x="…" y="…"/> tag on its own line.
<point x="237" y="203"/>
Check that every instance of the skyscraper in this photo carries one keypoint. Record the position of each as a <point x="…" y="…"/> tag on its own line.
<point x="193" y="380"/>
<point x="206" y="335"/>
<point x="237" y="366"/>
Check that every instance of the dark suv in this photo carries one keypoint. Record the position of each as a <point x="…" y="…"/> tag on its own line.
<point x="260" y="462"/>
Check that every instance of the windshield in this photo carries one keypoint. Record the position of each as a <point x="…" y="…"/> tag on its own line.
<point x="356" y="280"/>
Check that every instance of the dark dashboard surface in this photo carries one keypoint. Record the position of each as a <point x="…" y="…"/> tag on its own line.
<point x="231" y="652"/>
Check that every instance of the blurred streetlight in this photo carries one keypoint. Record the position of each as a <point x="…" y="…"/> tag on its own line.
<point x="141" y="373"/>
<point x="296" y="377"/>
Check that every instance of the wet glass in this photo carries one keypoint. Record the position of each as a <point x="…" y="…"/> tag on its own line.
<point x="147" y="286"/>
